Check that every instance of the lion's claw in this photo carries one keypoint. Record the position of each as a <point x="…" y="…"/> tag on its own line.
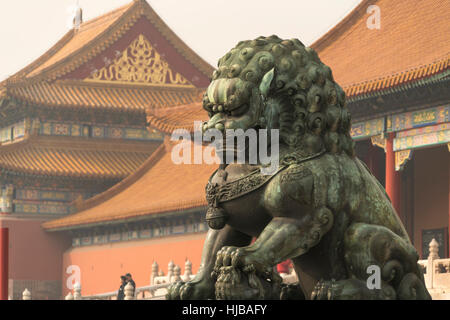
<point x="192" y="290"/>
<point x="238" y="257"/>
<point x="174" y="291"/>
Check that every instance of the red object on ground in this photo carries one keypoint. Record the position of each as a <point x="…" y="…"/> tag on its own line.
<point x="4" y="246"/>
<point x="283" y="267"/>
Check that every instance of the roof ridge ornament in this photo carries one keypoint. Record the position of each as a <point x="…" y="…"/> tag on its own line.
<point x="78" y="16"/>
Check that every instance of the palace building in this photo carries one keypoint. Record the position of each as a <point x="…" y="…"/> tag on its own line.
<point x="391" y="60"/>
<point x="396" y="77"/>
<point x="73" y="124"/>
<point x="156" y="214"/>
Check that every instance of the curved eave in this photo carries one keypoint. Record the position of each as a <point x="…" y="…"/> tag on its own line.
<point x="99" y="96"/>
<point x="182" y="117"/>
<point x="74" y="158"/>
<point x="43" y="175"/>
<point x="442" y="76"/>
<point x="136" y="218"/>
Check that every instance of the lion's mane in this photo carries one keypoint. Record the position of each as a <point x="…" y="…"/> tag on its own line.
<point x="304" y="101"/>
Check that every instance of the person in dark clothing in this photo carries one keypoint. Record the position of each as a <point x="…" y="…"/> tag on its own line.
<point x="129" y="279"/>
<point x="121" y="293"/>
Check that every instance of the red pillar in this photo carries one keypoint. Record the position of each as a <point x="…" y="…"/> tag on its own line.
<point x="4" y="246"/>
<point x="392" y="176"/>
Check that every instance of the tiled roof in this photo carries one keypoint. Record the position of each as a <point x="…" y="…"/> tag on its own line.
<point x="181" y="117"/>
<point x="158" y="186"/>
<point x="87" y="32"/>
<point x="413" y="43"/>
<point x="81" y="94"/>
<point x="58" y="77"/>
<point x="80" y="158"/>
<point x="94" y="36"/>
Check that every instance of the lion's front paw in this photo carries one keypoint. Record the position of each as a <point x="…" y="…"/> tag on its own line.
<point x="233" y="284"/>
<point x="174" y="291"/>
<point x="241" y="258"/>
<point x="193" y="290"/>
<point x="226" y="255"/>
<point x="239" y="274"/>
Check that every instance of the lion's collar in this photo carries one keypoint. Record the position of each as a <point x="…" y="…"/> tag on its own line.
<point x="252" y="181"/>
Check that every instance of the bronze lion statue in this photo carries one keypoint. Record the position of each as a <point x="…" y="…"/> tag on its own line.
<point x="322" y="207"/>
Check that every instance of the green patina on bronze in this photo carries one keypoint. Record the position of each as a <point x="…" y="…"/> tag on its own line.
<point x="322" y="208"/>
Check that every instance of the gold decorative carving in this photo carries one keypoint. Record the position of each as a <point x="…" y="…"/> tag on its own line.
<point x="401" y="157"/>
<point x="448" y="146"/>
<point x="379" y="141"/>
<point x="140" y="63"/>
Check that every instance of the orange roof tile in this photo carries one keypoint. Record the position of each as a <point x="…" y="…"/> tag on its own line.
<point x="83" y="158"/>
<point x="180" y="117"/>
<point x="82" y="94"/>
<point x="42" y="82"/>
<point x="81" y="38"/>
<point x="94" y="36"/>
<point x="413" y="43"/>
<point x="154" y="188"/>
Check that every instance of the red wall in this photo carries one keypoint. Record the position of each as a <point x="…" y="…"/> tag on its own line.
<point x="102" y="265"/>
<point x="33" y="253"/>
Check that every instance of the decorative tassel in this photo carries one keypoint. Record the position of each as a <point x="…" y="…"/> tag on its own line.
<point x="216" y="218"/>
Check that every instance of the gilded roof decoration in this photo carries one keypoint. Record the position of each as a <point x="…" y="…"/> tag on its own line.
<point x="93" y="37"/>
<point x="140" y="63"/>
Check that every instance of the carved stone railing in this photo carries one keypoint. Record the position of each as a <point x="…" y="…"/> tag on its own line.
<point x="158" y="284"/>
<point x="437" y="281"/>
<point x="436" y="273"/>
<point x="173" y="273"/>
<point x="26" y="294"/>
<point x="155" y="291"/>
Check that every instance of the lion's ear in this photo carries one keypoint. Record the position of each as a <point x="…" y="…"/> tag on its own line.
<point x="266" y="82"/>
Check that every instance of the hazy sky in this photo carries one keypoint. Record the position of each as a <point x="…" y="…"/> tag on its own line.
<point x="210" y="27"/>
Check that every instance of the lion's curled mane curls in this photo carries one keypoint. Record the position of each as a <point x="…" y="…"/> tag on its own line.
<point x="303" y="101"/>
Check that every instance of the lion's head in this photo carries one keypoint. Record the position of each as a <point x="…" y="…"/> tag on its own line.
<point x="279" y="84"/>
